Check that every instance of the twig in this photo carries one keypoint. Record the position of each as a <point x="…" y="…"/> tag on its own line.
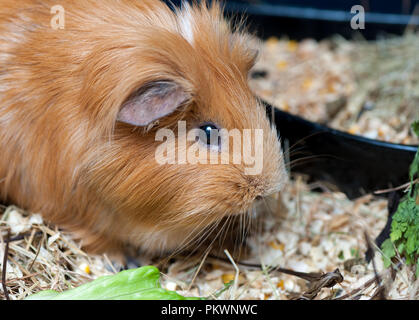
<point x="403" y="186"/>
<point x="312" y="276"/>
<point x="37" y="252"/>
<point x="326" y="280"/>
<point x="380" y="288"/>
<point x="197" y="271"/>
<point x="236" y="277"/>
<point x="3" y="276"/>
<point x="355" y="291"/>
<point x="21" y="237"/>
<point x="10" y="281"/>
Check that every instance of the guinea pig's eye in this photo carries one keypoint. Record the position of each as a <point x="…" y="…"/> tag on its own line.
<point x="210" y="135"/>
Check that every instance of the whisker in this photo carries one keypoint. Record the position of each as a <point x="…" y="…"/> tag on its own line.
<point x="305" y="138"/>
<point x="216" y="237"/>
<point x="193" y="236"/>
<point x="246" y="231"/>
<point x="307" y="159"/>
<point x="225" y="231"/>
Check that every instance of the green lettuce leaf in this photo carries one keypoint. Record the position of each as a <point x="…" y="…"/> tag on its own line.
<point x="134" y="284"/>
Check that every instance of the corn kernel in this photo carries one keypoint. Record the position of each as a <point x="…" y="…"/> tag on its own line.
<point x="272" y="42"/>
<point x="286" y="107"/>
<point x="292" y="45"/>
<point x="85" y="267"/>
<point x="353" y="129"/>
<point x="227" y="277"/>
<point x="307" y="83"/>
<point x="281" y="65"/>
<point x="283" y="105"/>
<point x="280" y="284"/>
<point x="381" y="133"/>
<point x="277" y="246"/>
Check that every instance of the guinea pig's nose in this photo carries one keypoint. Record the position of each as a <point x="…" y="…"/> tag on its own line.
<point x="258" y="198"/>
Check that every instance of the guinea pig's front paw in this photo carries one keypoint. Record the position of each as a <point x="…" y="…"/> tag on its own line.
<point x="133" y="258"/>
<point x="131" y="263"/>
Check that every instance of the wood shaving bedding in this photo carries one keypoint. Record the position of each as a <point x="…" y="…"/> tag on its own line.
<point x="303" y="230"/>
<point x="364" y="88"/>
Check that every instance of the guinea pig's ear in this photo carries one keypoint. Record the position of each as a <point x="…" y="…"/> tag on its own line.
<point x="152" y="102"/>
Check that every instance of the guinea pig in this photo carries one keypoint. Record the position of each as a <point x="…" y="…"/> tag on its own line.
<point x="85" y="89"/>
